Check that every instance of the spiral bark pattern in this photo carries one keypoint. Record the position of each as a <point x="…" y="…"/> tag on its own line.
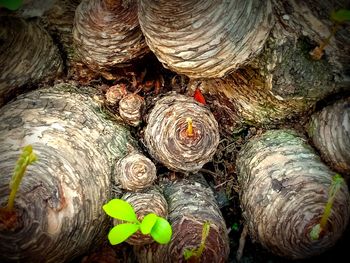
<point x="205" y="39"/>
<point x="135" y="172"/>
<point x="27" y="56"/>
<point x="166" y="138"/>
<point x="284" y="190"/>
<point x="61" y="195"/>
<point x="131" y="109"/>
<point x="149" y="201"/>
<point x="107" y="33"/>
<point x="191" y="204"/>
<point x="330" y="133"/>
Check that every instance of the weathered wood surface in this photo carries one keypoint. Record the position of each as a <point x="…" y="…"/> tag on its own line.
<point x="27" y="56"/>
<point x="107" y="33"/>
<point x="191" y="203"/>
<point x="205" y="39"/>
<point x="284" y="189"/>
<point x="166" y="135"/>
<point x="329" y="130"/>
<point x="61" y="196"/>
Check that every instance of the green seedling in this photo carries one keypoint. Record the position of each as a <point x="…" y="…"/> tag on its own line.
<point x="341" y="15"/>
<point x="338" y="17"/>
<point x="195" y="254"/>
<point x="11" y="4"/>
<point x="337" y="182"/>
<point x="156" y="226"/>
<point x="27" y="157"/>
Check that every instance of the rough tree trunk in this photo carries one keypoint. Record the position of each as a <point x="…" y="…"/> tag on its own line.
<point x="284" y="188"/>
<point x="27" y="56"/>
<point x="191" y="203"/>
<point x="60" y="199"/>
<point x="330" y="132"/>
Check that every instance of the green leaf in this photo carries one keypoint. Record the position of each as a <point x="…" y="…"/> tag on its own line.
<point x="161" y="231"/>
<point x="148" y="223"/>
<point x="121" y="232"/>
<point x="341" y="15"/>
<point x="121" y="210"/>
<point x="11" y="4"/>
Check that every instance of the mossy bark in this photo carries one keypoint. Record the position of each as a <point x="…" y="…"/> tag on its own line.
<point x="59" y="203"/>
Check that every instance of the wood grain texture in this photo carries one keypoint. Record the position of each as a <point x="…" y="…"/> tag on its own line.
<point x="27" y="56"/>
<point x="205" y="39"/>
<point x="191" y="204"/>
<point x="329" y="130"/>
<point x="284" y="188"/>
<point x="165" y="134"/>
<point x="135" y="172"/>
<point x="61" y="196"/>
<point x="107" y="33"/>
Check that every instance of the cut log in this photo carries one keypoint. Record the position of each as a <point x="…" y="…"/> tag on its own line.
<point x="106" y="34"/>
<point x="27" y="56"/>
<point x="135" y="172"/>
<point x="329" y="130"/>
<point x="284" y="189"/>
<point x="205" y="39"/>
<point x="59" y="203"/>
<point x="181" y="133"/>
<point x="191" y="204"/>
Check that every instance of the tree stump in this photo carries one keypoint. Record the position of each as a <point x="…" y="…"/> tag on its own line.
<point x="59" y="203"/>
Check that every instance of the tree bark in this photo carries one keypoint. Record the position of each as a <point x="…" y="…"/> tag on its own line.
<point x="59" y="203"/>
<point x="191" y="203"/>
<point x="284" y="188"/>
<point x="27" y="56"/>
<point x="330" y="132"/>
<point x="205" y="39"/>
<point x="107" y="34"/>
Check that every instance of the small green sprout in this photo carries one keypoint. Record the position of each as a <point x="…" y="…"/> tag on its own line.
<point x="196" y="253"/>
<point x="11" y="4"/>
<point x="7" y="214"/>
<point x="235" y="227"/>
<point x="337" y="182"/>
<point x="341" y="15"/>
<point x="26" y="158"/>
<point x="156" y="226"/>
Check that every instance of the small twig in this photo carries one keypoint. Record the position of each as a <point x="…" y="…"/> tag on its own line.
<point x="242" y="240"/>
<point x="217" y="186"/>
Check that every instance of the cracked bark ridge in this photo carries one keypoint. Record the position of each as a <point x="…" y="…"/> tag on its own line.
<point x="27" y="56"/>
<point x="285" y="60"/>
<point x="151" y="200"/>
<point x="330" y="133"/>
<point x="166" y="133"/>
<point x="106" y="33"/>
<point x="191" y="204"/>
<point x="131" y="109"/>
<point x="242" y="98"/>
<point x="205" y="39"/>
<point x="59" y="20"/>
<point x="284" y="190"/>
<point x="135" y="172"/>
<point x="60" y="198"/>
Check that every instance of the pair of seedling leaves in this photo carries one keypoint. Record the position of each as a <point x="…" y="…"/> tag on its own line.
<point x="156" y="226"/>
